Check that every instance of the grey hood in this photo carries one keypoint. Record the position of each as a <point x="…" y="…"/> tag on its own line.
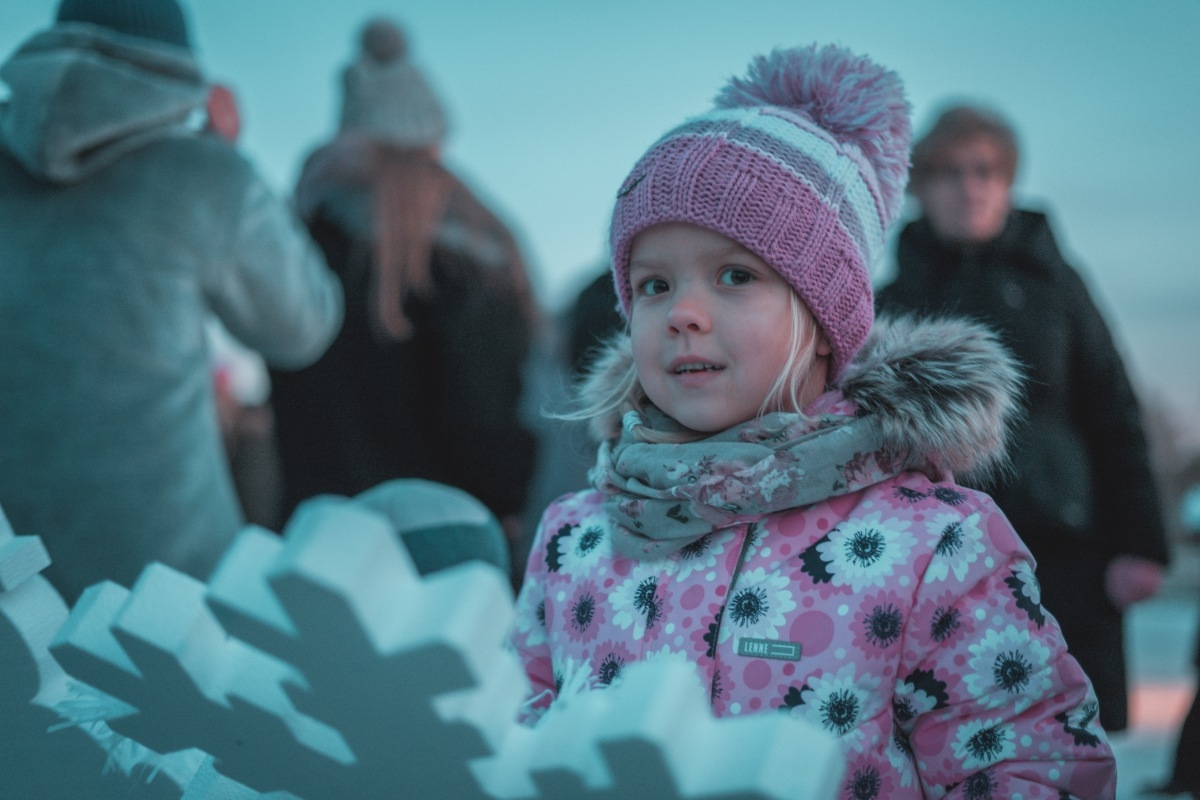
<point x="82" y="96"/>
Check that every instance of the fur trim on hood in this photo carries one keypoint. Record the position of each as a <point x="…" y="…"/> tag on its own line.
<point x="946" y="390"/>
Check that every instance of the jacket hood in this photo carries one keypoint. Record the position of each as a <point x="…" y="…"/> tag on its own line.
<point x="82" y="96"/>
<point x="946" y="391"/>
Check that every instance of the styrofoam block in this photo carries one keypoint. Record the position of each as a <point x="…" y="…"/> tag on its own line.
<point x="208" y="784"/>
<point x="653" y="736"/>
<point x="21" y="557"/>
<point x="321" y="665"/>
<point x="48" y="746"/>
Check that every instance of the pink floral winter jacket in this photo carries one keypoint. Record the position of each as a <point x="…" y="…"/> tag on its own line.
<point x="900" y="612"/>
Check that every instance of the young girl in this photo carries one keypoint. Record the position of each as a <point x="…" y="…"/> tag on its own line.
<point x="774" y="496"/>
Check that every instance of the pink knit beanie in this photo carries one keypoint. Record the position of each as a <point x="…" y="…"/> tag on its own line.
<point x="803" y="162"/>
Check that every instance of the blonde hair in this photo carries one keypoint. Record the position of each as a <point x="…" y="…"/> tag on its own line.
<point x="611" y="388"/>
<point x="419" y="203"/>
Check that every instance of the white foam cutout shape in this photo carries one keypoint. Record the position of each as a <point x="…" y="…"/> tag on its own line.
<point x="652" y="736"/>
<point x="311" y="664"/>
<point x="321" y="665"/>
<point x="43" y="753"/>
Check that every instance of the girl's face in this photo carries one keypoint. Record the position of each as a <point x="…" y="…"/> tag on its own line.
<point x="711" y="325"/>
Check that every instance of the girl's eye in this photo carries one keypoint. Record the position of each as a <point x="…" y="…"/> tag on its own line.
<point x="735" y="276"/>
<point x="652" y="286"/>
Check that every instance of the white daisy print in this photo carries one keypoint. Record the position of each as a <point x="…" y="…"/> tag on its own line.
<point x="637" y="601"/>
<point x="910" y="701"/>
<point x="1027" y="592"/>
<point x="531" y="619"/>
<point x="1008" y="667"/>
<point x="585" y="545"/>
<point x="758" y="606"/>
<point x="840" y="702"/>
<point x="699" y="556"/>
<point x="957" y="544"/>
<point x="865" y="551"/>
<point x="1030" y="589"/>
<point x="899" y="753"/>
<point x="983" y="742"/>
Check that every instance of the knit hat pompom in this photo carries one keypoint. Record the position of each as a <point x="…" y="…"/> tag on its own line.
<point x="383" y="41"/>
<point x="385" y="96"/>
<point x="851" y="97"/>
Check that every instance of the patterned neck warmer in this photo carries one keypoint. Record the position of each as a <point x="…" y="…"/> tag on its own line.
<point x="663" y="497"/>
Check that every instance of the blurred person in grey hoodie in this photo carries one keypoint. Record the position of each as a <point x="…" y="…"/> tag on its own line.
<point x="123" y="225"/>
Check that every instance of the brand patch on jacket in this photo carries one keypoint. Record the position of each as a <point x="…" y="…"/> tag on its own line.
<point x="769" y="648"/>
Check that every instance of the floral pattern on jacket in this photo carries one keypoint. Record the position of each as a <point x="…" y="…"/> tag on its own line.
<point x="912" y="606"/>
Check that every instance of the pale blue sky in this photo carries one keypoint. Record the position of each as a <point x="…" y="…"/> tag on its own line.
<point x="552" y="101"/>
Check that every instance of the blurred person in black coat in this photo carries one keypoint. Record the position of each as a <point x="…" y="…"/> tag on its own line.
<point x="425" y="379"/>
<point x="1081" y="491"/>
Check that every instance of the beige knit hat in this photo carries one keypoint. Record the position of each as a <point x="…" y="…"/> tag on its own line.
<point x="385" y="96"/>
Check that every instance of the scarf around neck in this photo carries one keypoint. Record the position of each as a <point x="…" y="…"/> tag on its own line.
<point x="663" y="497"/>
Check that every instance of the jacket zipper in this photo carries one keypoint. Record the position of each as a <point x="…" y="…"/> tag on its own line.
<point x="737" y="570"/>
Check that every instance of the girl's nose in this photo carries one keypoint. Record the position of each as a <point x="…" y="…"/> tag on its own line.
<point x="689" y="314"/>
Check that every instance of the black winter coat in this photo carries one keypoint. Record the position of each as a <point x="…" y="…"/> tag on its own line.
<point x="442" y="405"/>
<point x="1081" y="490"/>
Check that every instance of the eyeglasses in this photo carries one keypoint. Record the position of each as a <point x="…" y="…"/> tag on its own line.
<point x="980" y="171"/>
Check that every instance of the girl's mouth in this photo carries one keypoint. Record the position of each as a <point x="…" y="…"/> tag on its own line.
<point x="695" y="366"/>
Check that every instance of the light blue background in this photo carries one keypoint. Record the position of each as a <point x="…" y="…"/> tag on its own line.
<point x="552" y="101"/>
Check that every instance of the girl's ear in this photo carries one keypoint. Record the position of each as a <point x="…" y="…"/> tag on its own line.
<point x="823" y="348"/>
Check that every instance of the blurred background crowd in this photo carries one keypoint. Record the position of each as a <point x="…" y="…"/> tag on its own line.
<point x="255" y="252"/>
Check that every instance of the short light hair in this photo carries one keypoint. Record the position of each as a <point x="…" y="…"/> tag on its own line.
<point x="611" y="386"/>
<point x="956" y="125"/>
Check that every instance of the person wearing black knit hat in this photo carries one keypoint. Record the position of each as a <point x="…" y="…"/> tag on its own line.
<point x="124" y="228"/>
<point x="161" y="20"/>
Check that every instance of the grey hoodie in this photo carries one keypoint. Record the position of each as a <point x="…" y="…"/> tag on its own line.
<point x="121" y="230"/>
